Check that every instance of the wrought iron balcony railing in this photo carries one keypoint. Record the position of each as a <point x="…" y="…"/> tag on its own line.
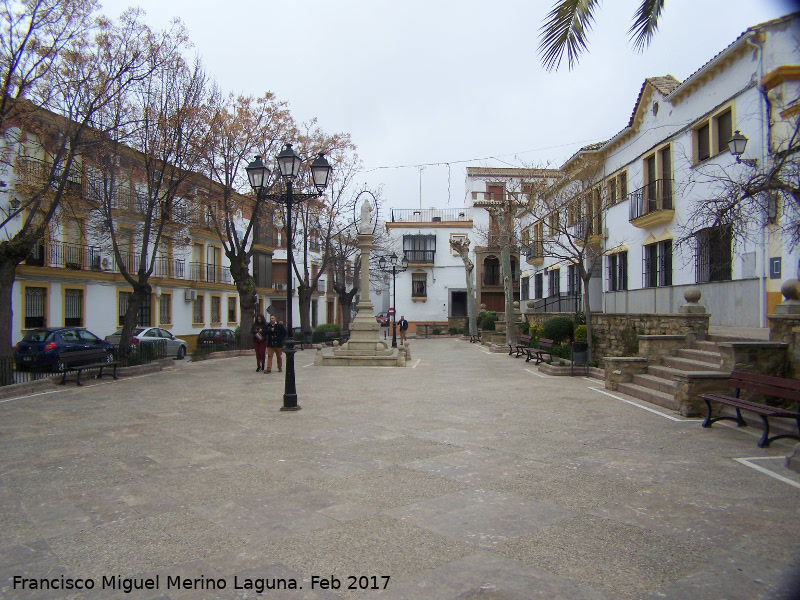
<point x="653" y="197"/>
<point x="420" y="256"/>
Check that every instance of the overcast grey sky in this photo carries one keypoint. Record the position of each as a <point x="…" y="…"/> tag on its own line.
<point x="453" y="83"/>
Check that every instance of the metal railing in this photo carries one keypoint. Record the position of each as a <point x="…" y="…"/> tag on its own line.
<point x="209" y="273"/>
<point x="429" y="215"/>
<point x="137" y="354"/>
<point x="35" y="171"/>
<point x="420" y="256"/>
<point x="653" y="197"/>
<point x="562" y="302"/>
<point x="534" y="250"/>
<point x="65" y="255"/>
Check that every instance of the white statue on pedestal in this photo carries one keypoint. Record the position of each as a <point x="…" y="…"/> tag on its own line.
<point x="364" y="222"/>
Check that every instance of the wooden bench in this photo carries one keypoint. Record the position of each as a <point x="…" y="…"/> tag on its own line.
<point x="329" y="337"/>
<point x="521" y="347"/>
<point x="79" y="356"/>
<point x="545" y="346"/>
<point x="475" y="339"/>
<point x="787" y="389"/>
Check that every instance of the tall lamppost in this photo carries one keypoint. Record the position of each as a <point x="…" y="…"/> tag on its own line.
<point x="396" y="268"/>
<point x="289" y="167"/>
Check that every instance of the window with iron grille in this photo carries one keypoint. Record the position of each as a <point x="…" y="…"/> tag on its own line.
<point x="714" y="261"/>
<point x="491" y="271"/>
<point x="124" y="298"/>
<point x="232" y="309"/>
<point x="35" y="298"/>
<point x="145" y="310"/>
<point x="198" y="311"/>
<point x="419" y="248"/>
<point x="419" y="285"/>
<point x="525" y="288"/>
<point x="73" y="308"/>
<point x="216" y="312"/>
<point x="165" y="309"/>
<point x="554" y="282"/>
<point x="657" y="264"/>
<point x="538" y="285"/>
<point x="617" y="265"/>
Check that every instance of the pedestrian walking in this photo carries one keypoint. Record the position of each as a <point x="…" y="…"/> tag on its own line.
<point x="259" y="332"/>
<point x="276" y="334"/>
<point x="403" y="328"/>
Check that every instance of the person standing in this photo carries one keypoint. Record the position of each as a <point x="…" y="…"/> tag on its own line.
<point x="276" y="333"/>
<point x="259" y="332"/>
<point x="403" y="324"/>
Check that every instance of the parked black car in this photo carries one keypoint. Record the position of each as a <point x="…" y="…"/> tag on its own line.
<point x="44" y="348"/>
<point x="222" y="339"/>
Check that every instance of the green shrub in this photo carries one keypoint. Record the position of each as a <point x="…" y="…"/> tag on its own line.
<point x="561" y="351"/>
<point x="558" y="329"/>
<point x="488" y="321"/>
<point x="437" y="331"/>
<point x="580" y="333"/>
<point x="486" y="313"/>
<point x="580" y="318"/>
<point x="455" y="331"/>
<point x="319" y="337"/>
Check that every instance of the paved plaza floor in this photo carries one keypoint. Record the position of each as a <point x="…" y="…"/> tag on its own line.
<point x="466" y="475"/>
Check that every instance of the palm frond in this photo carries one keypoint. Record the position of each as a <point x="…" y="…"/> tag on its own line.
<point x="645" y="23"/>
<point x="565" y="30"/>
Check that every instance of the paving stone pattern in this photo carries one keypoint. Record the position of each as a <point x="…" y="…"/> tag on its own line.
<point x="468" y="476"/>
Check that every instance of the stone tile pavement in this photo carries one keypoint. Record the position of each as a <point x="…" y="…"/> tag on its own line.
<point x="467" y="475"/>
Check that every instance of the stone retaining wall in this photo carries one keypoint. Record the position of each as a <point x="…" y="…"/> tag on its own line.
<point x="607" y="328"/>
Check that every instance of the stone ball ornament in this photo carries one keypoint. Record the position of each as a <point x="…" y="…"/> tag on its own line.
<point x="692" y="294"/>
<point x="791" y="289"/>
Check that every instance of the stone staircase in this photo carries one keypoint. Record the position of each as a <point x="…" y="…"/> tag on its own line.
<point x="657" y="385"/>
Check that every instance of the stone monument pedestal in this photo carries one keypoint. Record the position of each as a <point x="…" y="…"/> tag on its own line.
<point x="365" y="348"/>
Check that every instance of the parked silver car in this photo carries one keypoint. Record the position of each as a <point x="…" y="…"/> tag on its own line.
<point x="175" y="346"/>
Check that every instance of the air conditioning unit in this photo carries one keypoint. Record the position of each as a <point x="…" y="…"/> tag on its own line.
<point x="101" y="263"/>
<point x="280" y="286"/>
<point x="190" y="295"/>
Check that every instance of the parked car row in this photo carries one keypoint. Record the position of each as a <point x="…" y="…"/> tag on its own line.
<point x="46" y="348"/>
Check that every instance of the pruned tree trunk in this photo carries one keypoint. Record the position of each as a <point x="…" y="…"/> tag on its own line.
<point x="304" y="295"/>
<point x="8" y="269"/>
<point x="246" y="287"/>
<point x="462" y="247"/>
<point x="508" y="291"/>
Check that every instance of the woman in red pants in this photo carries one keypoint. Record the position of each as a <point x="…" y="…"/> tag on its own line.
<point x="259" y="331"/>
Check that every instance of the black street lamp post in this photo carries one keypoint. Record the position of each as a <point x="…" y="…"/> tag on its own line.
<point x="289" y="167"/>
<point x="384" y="265"/>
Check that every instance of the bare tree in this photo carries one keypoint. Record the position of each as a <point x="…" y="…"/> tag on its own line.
<point x="145" y="218"/>
<point x="571" y="212"/>
<point x="240" y="128"/>
<point x="320" y="220"/>
<point x="740" y="198"/>
<point x="462" y="247"/>
<point x="95" y="68"/>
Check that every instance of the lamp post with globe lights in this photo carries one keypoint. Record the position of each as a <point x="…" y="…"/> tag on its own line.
<point x="259" y="176"/>
<point x="394" y="267"/>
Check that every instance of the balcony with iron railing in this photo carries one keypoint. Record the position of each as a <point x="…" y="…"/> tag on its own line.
<point x="419" y="257"/>
<point x="534" y="253"/>
<point x="652" y="204"/>
<point x="429" y="215"/>
<point x="209" y="273"/>
<point x="65" y="255"/>
<point x="35" y="172"/>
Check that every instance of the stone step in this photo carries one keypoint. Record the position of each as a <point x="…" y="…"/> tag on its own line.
<point x="730" y="338"/>
<point x="659" y="384"/>
<point x="713" y="358"/>
<point x="705" y="345"/>
<point x="648" y="395"/>
<point x="662" y="371"/>
<point x="688" y="364"/>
